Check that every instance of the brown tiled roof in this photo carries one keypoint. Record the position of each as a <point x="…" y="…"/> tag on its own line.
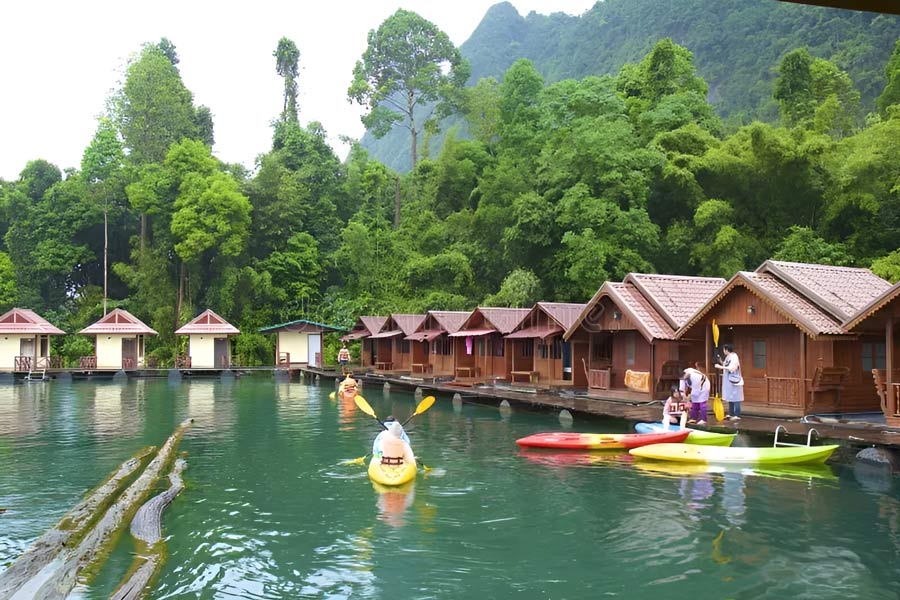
<point x="450" y="320"/>
<point x="24" y="320"/>
<point x="207" y="322"/>
<point x="405" y="323"/>
<point x="364" y="327"/>
<point x="542" y="331"/>
<point x="873" y="307"/>
<point x="425" y="335"/>
<point x="119" y="321"/>
<point x="676" y="297"/>
<point x="785" y="300"/>
<point x="840" y="291"/>
<point x="386" y="334"/>
<point x="650" y="322"/>
<point x="503" y="320"/>
<point x="564" y="313"/>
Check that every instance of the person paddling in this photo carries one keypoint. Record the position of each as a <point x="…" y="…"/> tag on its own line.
<point x="388" y="421"/>
<point x="348" y="389"/>
<point x="394" y="450"/>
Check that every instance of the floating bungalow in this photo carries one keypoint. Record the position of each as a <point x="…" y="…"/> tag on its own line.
<point x="25" y="341"/>
<point x="538" y="352"/>
<point x="876" y="323"/>
<point x="432" y="348"/>
<point x="299" y="343"/>
<point x="393" y="351"/>
<point x="625" y="340"/>
<point x="363" y="330"/>
<point x="479" y="346"/>
<point x="209" y="346"/>
<point x="118" y="342"/>
<point x="786" y="322"/>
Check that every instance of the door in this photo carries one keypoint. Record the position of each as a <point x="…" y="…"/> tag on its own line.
<point x="314" y="356"/>
<point x="129" y="353"/>
<point x="567" y="361"/>
<point x="222" y="350"/>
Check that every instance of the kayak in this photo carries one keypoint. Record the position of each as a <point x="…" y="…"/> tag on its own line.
<point x="598" y="441"/>
<point x="678" y="470"/>
<point x="730" y="455"/>
<point x="697" y="436"/>
<point x="391" y="475"/>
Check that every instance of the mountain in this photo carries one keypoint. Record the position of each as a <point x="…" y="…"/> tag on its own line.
<point x="737" y="45"/>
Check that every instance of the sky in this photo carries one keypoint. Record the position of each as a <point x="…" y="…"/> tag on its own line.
<point x="60" y="60"/>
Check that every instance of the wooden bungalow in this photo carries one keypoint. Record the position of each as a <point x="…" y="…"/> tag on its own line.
<point x="785" y="321"/>
<point x="624" y="342"/>
<point x="25" y="341"/>
<point x="209" y="346"/>
<point x="392" y="350"/>
<point x="876" y="325"/>
<point x="537" y="350"/>
<point x="118" y="342"/>
<point x="479" y="346"/>
<point x="432" y="348"/>
<point x="299" y="343"/>
<point x="363" y="330"/>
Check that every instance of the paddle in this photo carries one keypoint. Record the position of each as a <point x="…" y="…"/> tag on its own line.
<point x="718" y="407"/>
<point x="424" y="405"/>
<point x="366" y="408"/>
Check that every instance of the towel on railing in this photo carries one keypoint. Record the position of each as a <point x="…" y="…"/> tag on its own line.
<point x="637" y="380"/>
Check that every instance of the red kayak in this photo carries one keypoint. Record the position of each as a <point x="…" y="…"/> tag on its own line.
<point x="600" y="441"/>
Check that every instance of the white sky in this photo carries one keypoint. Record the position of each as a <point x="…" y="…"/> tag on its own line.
<point x="61" y="59"/>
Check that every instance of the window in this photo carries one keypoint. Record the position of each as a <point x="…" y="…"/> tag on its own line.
<point x="526" y="348"/>
<point x="759" y="354"/>
<point x="873" y="356"/>
<point x="552" y="350"/>
<point x="602" y="348"/>
<point x="442" y="345"/>
<point x="498" y="344"/>
<point x="404" y="346"/>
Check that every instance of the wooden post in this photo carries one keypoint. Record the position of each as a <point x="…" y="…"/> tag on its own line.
<point x="803" y="370"/>
<point x="891" y="403"/>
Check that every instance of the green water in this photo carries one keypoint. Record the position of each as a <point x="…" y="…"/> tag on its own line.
<point x="270" y="511"/>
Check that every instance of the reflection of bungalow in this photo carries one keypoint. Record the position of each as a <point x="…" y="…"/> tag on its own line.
<point x="479" y="345"/>
<point x="785" y="321"/>
<point x="625" y="338"/>
<point x="875" y="324"/>
<point x="25" y="341"/>
<point x="299" y="342"/>
<point x="536" y="346"/>
<point x="208" y="343"/>
<point x="432" y="349"/>
<point x="364" y="329"/>
<point x="118" y="341"/>
<point x="392" y="351"/>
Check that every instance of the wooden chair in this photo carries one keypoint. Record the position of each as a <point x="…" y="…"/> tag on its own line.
<point x="827" y="380"/>
<point x="669" y="375"/>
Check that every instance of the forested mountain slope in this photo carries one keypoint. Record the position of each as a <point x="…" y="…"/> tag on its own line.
<point x="736" y="46"/>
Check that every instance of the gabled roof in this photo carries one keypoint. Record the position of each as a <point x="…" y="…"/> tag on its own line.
<point x="24" y="320"/>
<point x="783" y="298"/>
<point x="301" y="326"/>
<point x="563" y="313"/>
<point x="119" y="321"/>
<point x="501" y="320"/>
<point x="873" y="307"/>
<point x="560" y="314"/>
<point x="364" y="327"/>
<point x="207" y="322"/>
<point x="676" y="297"/>
<point x="840" y="291"/>
<point x="447" y="321"/>
<point x="405" y="323"/>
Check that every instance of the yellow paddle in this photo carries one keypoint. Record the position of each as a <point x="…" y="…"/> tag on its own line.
<point x="718" y="407"/>
<point x="424" y="405"/>
<point x="367" y="408"/>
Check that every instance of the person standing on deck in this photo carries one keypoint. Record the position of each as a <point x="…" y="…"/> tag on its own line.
<point x="695" y="379"/>
<point x="732" y="382"/>
<point x="343" y="357"/>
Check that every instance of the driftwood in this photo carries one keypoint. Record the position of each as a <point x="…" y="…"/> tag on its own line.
<point x="69" y="529"/>
<point x="146" y="527"/>
<point x="58" y="583"/>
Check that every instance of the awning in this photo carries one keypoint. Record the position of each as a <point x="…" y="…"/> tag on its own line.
<point x="387" y="334"/>
<point x="535" y="332"/>
<point x="424" y="336"/>
<point x="473" y="332"/>
<point x="355" y="336"/>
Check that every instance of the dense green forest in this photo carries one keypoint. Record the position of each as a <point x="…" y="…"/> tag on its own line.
<point x="736" y="46"/>
<point x="559" y="187"/>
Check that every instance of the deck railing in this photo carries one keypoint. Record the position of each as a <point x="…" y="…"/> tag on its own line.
<point x="784" y="391"/>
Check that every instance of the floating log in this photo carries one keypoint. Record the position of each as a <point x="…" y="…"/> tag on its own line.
<point x="147" y="528"/>
<point x="59" y="583"/>
<point x="69" y="529"/>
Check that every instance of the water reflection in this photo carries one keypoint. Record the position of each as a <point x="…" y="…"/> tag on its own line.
<point x="206" y="409"/>
<point x="115" y="410"/>
<point x="24" y="409"/>
<point x="393" y="502"/>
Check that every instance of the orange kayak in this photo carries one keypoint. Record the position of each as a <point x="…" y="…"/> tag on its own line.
<point x="600" y="441"/>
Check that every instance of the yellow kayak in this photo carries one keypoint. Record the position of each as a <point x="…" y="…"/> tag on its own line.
<point x="391" y="474"/>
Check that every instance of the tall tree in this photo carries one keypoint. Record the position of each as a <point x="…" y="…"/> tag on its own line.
<point x="287" y="58"/>
<point x="794" y="87"/>
<point x="891" y="93"/>
<point x="408" y="63"/>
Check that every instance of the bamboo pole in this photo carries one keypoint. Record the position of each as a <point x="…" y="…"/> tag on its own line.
<point x="71" y="528"/>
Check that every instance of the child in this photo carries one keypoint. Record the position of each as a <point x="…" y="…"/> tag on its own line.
<point x="676" y="405"/>
<point x="698" y="383"/>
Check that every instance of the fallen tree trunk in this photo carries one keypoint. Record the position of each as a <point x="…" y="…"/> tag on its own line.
<point x="58" y="584"/>
<point x="146" y="527"/>
<point x="69" y="529"/>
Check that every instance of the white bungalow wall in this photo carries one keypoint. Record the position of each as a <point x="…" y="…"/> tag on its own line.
<point x="109" y="350"/>
<point x="11" y="347"/>
<point x="297" y="344"/>
<point x="202" y="350"/>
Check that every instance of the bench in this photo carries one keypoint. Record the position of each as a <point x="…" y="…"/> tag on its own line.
<point x="827" y="380"/>
<point x="383" y="365"/>
<point x="529" y="376"/>
<point x="466" y="371"/>
<point x="421" y="368"/>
